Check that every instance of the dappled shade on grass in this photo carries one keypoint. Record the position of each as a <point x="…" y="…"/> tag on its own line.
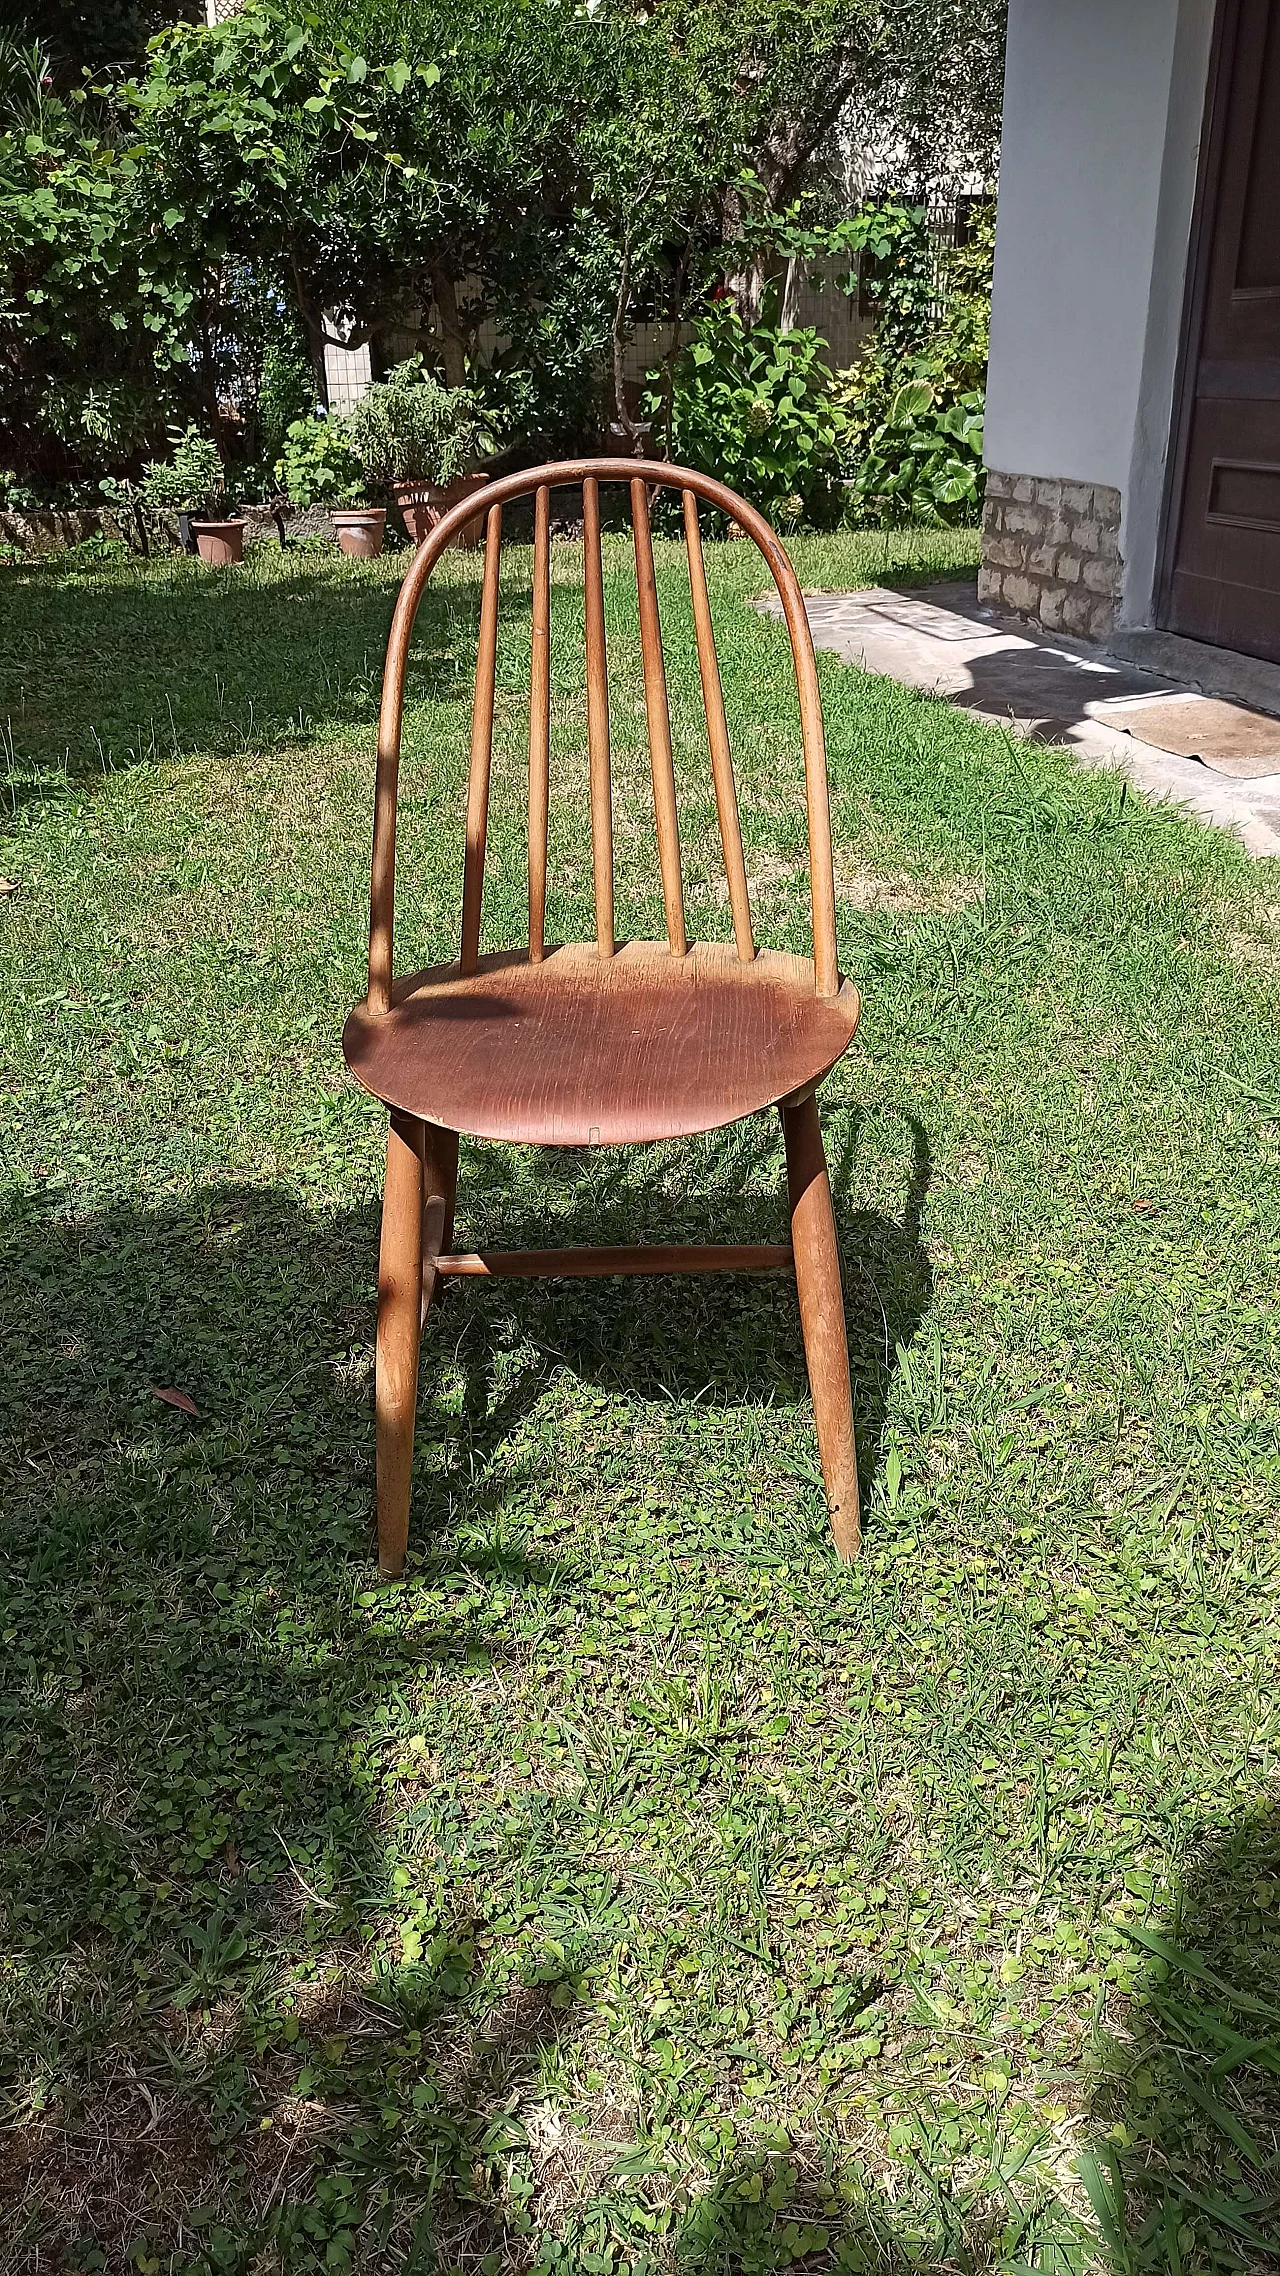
<point x="633" y="1887"/>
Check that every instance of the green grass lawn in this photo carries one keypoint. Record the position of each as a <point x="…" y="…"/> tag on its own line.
<point x="632" y="1888"/>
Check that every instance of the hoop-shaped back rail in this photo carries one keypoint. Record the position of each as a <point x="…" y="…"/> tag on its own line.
<point x="639" y="476"/>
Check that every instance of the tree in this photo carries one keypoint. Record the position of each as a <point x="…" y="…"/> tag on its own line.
<point x="406" y="171"/>
<point x="526" y="161"/>
<point x="377" y="177"/>
<point x="927" y="106"/>
<point x="88" y="334"/>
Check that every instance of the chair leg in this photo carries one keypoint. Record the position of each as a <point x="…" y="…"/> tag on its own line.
<point x="439" y="1191"/>
<point x="399" y="1334"/>
<point x="826" y="1348"/>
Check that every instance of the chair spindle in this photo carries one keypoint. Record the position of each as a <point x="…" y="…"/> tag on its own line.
<point x="540" y="724"/>
<point x="597" y="716"/>
<point x="382" y="875"/>
<point x="481" y="746"/>
<point x="735" y="868"/>
<point x="659" y="718"/>
<point x="590" y="473"/>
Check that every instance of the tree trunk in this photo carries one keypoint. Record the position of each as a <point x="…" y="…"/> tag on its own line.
<point x="746" y="290"/>
<point x="456" y="340"/>
<point x="675" y="313"/>
<point x="313" y="326"/>
<point x="208" y="376"/>
<point x="625" y="420"/>
<point x="745" y="285"/>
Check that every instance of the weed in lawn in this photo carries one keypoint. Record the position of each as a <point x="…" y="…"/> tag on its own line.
<point x="632" y="1888"/>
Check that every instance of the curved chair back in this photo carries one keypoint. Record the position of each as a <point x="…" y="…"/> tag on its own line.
<point x="639" y="476"/>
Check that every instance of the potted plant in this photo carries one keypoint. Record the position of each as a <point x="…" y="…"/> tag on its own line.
<point x="318" y="466"/>
<point x="193" y="484"/>
<point x="423" y="440"/>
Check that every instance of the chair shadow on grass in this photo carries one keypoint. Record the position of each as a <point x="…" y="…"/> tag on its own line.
<point x="714" y="1340"/>
<point x="203" y="1786"/>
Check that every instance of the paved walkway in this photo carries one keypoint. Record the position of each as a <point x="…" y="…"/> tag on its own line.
<point x="940" y="637"/>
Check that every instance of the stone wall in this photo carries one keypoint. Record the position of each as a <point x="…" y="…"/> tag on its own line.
<point x="36" y="533"/>
<point x="1051" y="551"/>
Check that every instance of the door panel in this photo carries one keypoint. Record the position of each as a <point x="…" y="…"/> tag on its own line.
<point x="1222" y="578"/>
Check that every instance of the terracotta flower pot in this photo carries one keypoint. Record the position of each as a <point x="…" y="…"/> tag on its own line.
<point x="423" y="504"/>
<point x="359" y="530"/>
<point x="219" y="543"/>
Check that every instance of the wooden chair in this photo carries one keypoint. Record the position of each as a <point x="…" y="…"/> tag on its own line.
<point x="600" y="1043"/>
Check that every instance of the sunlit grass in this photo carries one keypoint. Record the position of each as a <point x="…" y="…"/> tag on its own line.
<point x="633" y="1887"/>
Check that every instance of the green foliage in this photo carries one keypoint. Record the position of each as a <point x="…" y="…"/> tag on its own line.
<point x="923" y="464"/>
<point x="957" y="347"/>
<point x="261" y="132"/>
<point x="931" y="93"/>
<point x="553" y="168"/>
<point x="408" y="428"/>
<point x="95" y="552"/>
<point x="107" y="416"/>
<point x="913" y="404"/>
<point x="317" y="464"/>
<point x="409" y="159"/>
<point x="17" y="496"/>
<point x="25" y="83"/>
<point x="286" y="386"/>
<point x="192" y="480"/>
<point x="898" y="274"/>
<point x="752" y="405"/>
<point x="91" y="332"/>
<point x="545" y="393"/>
<point x="761" y="409"/>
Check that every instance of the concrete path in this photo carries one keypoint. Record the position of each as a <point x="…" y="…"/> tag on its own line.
<point x="940" y="637"/>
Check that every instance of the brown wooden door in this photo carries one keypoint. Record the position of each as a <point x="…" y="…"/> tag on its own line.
<point x="1222" y="561"/>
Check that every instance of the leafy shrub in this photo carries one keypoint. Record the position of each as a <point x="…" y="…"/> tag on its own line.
<point x="545" y="401"/>
<point x="752" y="405"/>
<point x="922" y="463"/>
<point x="912" y="405"/>
<point x="410" y="428"/>
<point x="317" y="463"/>
<point x="958" y="347"/>
<point x="17" y="497"/>
<point x="192" y="481"/>
<point x="108" y="417"/>
<point x="95" y="552"/>
<point x="286" y="386"/>
<point x="898" y="275"/>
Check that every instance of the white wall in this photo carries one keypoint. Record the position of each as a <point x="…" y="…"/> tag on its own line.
<point x="1103" y="102"/>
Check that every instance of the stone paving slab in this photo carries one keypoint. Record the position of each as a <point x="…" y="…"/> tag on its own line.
<point x="1037" y="684"/>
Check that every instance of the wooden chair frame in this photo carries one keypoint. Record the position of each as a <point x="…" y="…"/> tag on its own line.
<point x="417" y="1251"/>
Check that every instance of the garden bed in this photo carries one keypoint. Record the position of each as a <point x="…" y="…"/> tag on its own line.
<point x="36" y="534"/>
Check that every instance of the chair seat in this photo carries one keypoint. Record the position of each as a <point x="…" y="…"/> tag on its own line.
<point x="588" y="1050"/>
